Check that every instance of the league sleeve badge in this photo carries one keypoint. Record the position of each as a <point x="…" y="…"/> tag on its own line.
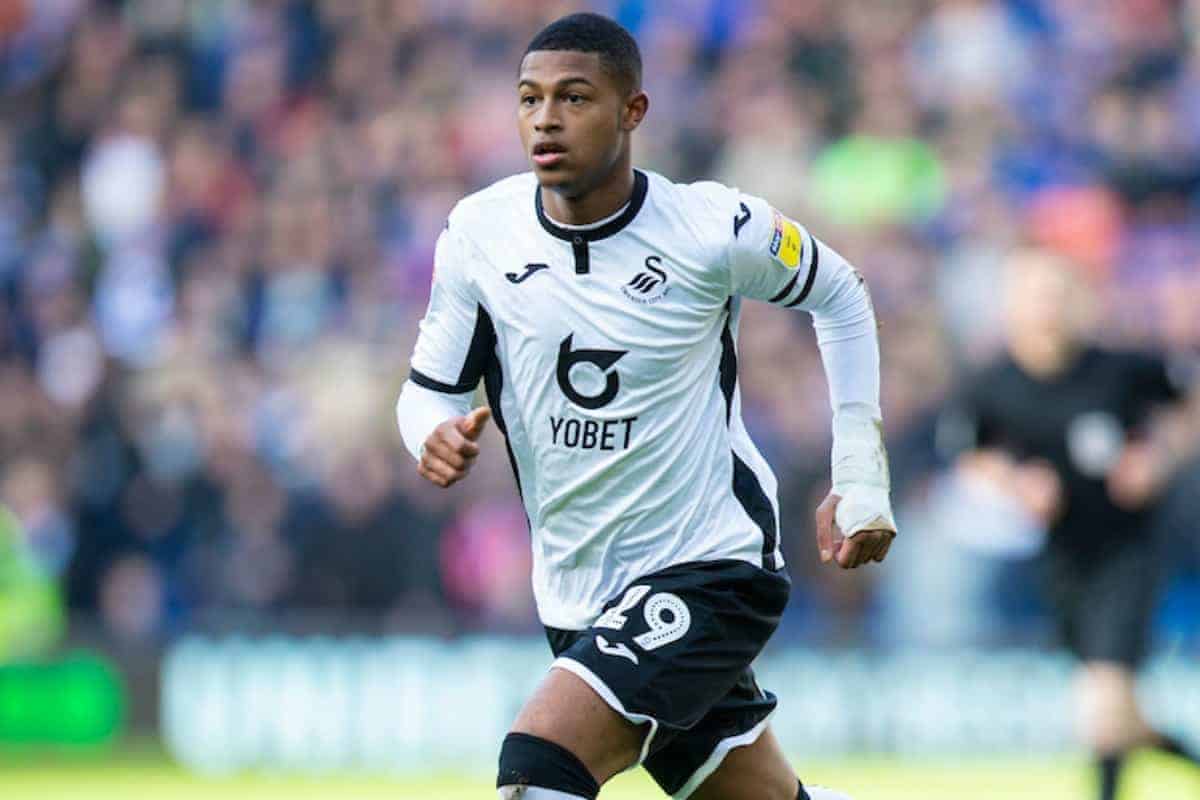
<point x="786" y="244"/>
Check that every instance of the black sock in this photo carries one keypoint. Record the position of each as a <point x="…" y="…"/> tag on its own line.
<point x="1173" y="747"/>
<point x="803" y="794"/>
<point x="1110" y="770"/>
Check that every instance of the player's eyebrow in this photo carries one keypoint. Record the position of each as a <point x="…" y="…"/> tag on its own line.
<point x="567" y="81"/>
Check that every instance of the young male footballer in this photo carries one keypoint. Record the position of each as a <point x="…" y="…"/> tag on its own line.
<point x="599" y="304"/>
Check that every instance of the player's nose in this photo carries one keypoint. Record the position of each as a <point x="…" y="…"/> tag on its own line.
<point x="546" y="119"/>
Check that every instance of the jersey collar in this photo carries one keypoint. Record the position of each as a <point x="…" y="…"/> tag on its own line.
<point x="578" y="236"/>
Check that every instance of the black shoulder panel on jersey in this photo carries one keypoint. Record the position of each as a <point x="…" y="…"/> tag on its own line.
<point x="812" y="274"/>
<point x="746" y="486"/>
<point x="493" y="386"/>
<point x="728" y="366"/>
<point x="754" y="500"/>
<point x="483" y="344"/>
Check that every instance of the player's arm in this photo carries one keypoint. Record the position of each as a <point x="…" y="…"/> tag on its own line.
<point x="441" y="432"/>
<point x="1151" y="460"/>
<point x="434" y="410"/>
<point x="971" y="436"/>
<point x="775" y="259"/>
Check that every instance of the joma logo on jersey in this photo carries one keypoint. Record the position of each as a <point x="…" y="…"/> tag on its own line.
<point x="529" y="270"/>
<point x="649" y="286"/>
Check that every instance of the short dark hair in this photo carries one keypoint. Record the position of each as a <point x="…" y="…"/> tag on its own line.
<point x="595" y="33"/>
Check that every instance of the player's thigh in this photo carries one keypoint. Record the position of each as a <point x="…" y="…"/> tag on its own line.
<point x="757" y="771"/>
<point x="568" y="712"/>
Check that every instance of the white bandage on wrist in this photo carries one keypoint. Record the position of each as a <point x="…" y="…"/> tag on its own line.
<point x="860" y="472"/>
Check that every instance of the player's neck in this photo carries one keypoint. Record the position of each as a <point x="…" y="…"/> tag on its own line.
<point x="597" y="204"/>
<point x="1043" y="359"/>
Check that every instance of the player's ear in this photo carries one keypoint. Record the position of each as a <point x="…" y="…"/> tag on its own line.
<point x="634" y="110"/>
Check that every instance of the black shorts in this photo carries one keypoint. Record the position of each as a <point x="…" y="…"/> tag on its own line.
<point x="1105" y="601"/>
<point x="674" y="650"/>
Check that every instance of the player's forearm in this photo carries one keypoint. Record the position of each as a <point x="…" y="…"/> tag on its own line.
<point x="420" y="410"/>
<point x="847" y="335"/>
<point x="1178" y="434"/>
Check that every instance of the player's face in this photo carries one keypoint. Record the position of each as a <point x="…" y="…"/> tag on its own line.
<point x="575" y="119"/>
<point x="1043" y="300"/>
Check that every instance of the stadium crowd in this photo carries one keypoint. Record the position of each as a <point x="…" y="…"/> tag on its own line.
<point x="216" y="231"/>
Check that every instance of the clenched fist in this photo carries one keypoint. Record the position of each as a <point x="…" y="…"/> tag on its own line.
<point x="451" y="449"/>
<point x="849" y="552"/>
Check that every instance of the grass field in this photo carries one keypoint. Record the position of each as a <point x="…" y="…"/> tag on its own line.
<point x="140" y="778"/>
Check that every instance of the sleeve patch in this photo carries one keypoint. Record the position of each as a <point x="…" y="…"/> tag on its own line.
<point x="786" y="244"/>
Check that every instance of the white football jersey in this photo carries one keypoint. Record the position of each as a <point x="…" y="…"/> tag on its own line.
<point x="609" y="358"/>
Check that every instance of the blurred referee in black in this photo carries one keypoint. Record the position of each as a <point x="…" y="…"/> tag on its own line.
<point x="1086" y="440"/>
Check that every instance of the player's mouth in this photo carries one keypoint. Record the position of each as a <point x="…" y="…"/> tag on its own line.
<point x="548" y="154"/>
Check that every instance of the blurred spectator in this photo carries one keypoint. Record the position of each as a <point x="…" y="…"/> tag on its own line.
<point x="31" y="613"/>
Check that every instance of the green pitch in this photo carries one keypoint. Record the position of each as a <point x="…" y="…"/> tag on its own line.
<point x="1149" y="778"/>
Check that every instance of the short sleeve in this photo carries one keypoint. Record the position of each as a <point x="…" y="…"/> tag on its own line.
<point x="456" y="337"/>
<point x="1150" y="383"/>
<point x="1153" y="382"/>
<point x="772" y="257"/>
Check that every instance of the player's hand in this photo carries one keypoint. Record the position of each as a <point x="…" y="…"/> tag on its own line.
<point x="1039" y="489"/>
<point x="451" y="449"/>
<point x="1034" y="484"/>
<point x="1138" y="477"/>
<point x="863" y="547"/>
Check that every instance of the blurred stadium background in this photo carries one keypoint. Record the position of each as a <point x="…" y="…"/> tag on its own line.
<point x="219" y="573"/>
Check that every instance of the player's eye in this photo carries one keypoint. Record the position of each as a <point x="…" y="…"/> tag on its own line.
<point x="528" y="100"/>
<point x="576" y="99"/>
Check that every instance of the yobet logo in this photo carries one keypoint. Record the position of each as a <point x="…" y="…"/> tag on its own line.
<point x="602" y="360"/>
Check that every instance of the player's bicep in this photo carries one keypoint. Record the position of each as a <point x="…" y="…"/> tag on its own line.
<point x="456" y="335"/>
<point x="772" y="258"/>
